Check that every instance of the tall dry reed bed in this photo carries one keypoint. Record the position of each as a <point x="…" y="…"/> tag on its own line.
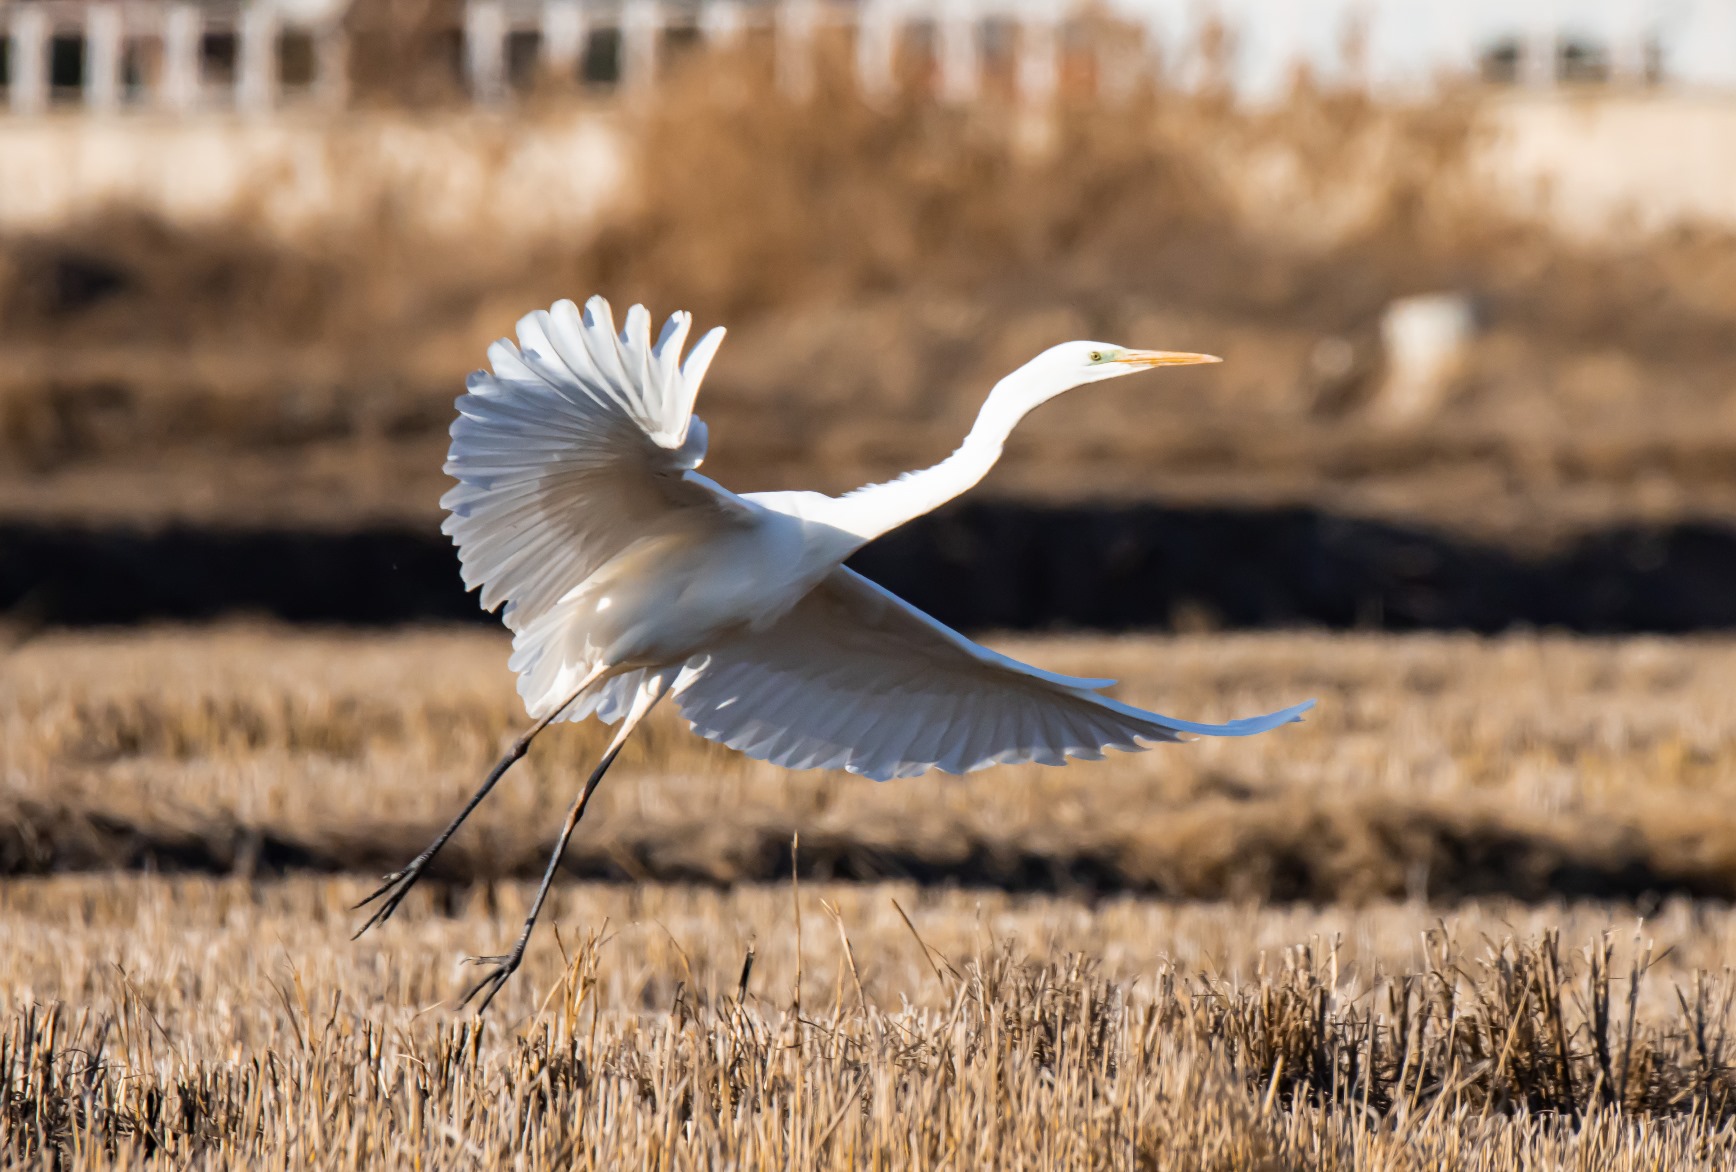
<point x="1519" y="1054"/>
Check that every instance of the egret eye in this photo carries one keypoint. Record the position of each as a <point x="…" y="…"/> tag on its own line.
<point x="1097" y="356"/>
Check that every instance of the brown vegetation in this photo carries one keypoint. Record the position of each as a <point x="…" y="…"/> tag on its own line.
<point x="190" y="1023"/>
<point x="200" y="1021"/>
<point x="1439" y="767"/>
<point x="895" y="261"/>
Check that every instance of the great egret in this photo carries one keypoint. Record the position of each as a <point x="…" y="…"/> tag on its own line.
<point x="627" y="577"/>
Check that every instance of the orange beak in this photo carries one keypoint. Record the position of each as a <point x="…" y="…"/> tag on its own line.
<point x="1163" y="358"/>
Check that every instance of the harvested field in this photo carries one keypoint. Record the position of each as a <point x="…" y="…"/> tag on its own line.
<point x="198" y="1023"/>
<point x="1438" y="767"/>
<point x="1448" y="922"/>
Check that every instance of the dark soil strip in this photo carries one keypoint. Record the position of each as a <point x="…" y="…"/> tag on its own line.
<point x="983" y="565"/>
<point x="1273" y="851"/>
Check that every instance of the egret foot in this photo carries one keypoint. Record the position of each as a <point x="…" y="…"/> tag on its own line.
<point x="395" y="887"/>
<point x="504" y="967"/>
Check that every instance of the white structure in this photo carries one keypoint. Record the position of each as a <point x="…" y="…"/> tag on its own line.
<point x="1425" y="340"/>
<point x="1644" y="159"/>
<point x="177" y="55"/>
<point x="188" y="54"/>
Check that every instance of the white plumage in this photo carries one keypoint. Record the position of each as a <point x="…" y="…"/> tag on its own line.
<point x="854" y="677"/>
<point x="580" y="449"/>
<point x="571" y="451"/>
<point x="627" y="576"/>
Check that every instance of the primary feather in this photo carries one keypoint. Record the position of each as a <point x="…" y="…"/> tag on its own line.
<point x="574" y="447"/>
<point x="856" y="678"/>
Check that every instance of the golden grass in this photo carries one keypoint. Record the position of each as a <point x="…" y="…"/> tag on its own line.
<point x="1435" y="765"/>
<point x="1055" y="1014"/>
<point x="201" y="1023"/>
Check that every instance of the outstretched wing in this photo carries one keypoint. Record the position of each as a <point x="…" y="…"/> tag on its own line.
<point x="578" y="444"/>
<point x="856" y="678"/>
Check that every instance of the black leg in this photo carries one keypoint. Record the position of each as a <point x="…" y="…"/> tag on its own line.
<point x="504" y="966"/>
<point x="397" y="885"/>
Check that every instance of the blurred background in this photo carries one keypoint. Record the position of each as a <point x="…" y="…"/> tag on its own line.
<point x="1471" y="267"/>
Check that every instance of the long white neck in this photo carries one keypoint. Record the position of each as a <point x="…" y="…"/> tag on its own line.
<point x="879" y="508"/>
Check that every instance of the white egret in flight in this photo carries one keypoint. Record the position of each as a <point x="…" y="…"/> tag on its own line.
<point x="627" y="577"/>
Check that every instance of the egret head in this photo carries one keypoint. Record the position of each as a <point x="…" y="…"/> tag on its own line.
<point x="1060" y="369"/>
<point x="1089" y="362"/>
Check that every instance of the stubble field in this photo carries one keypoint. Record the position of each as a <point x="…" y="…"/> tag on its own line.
<point x="1282" y="952"/>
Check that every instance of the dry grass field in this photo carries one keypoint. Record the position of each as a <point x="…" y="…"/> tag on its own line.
<point x="198" y="1023"/>
<point x="1010" y="980"/>
<point x="1435" y="766"/>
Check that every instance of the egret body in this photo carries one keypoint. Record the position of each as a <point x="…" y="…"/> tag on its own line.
<point x="627" y="577"/>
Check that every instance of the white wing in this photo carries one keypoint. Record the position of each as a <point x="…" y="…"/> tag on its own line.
<point x="856" y="678"/>
<point x="578" y="444"/>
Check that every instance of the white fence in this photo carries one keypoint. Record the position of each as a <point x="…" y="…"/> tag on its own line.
<point x="255" y="55"/>
<point x="623" y="43"/>
<point x="104" y="55"/>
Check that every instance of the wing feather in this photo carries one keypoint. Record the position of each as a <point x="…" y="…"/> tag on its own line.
<point x="575" y="444"/>
<point x="854" y="676"/>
